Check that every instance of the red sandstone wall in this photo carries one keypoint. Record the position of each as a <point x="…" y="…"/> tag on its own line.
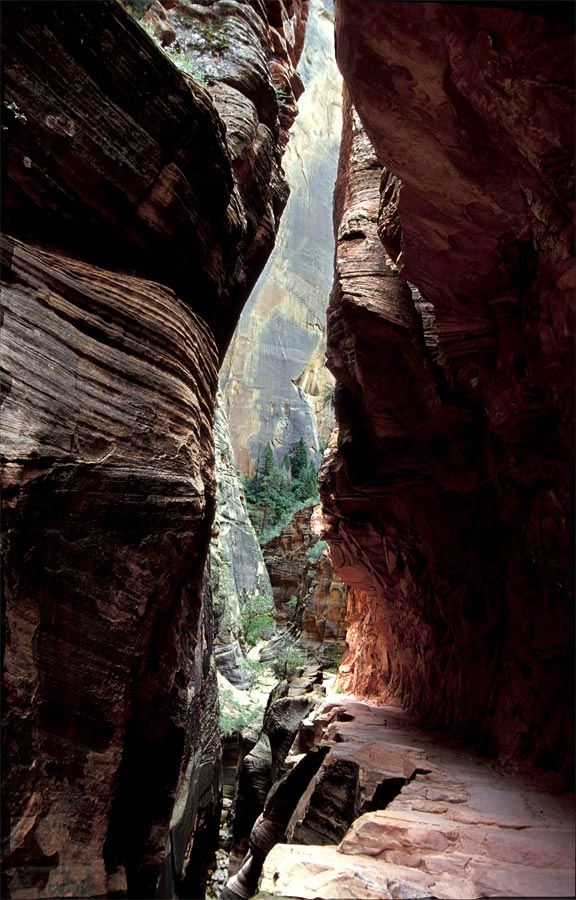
<point x="450" y="491"/>
<point x="138" y="226"/>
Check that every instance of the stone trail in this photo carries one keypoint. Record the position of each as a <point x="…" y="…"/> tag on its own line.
<point x="455" y="826"/>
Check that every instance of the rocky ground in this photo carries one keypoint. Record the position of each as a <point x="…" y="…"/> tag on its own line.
<point x="453" y="826"/>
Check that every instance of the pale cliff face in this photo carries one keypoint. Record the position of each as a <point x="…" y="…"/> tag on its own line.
<point x="237" y="566"/>
<point x="275" y="383"/>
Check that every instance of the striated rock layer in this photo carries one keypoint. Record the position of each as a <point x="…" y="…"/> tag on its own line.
<point x="133" y="247"/>
<point x="391" y="811"/>
<point x="449" y="488"/>
<point x="108" y="494"/>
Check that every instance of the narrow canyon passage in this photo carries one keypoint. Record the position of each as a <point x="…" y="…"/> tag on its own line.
<point x="287" y="384"/>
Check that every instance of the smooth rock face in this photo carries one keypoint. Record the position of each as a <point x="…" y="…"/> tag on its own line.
<point x="450" y="487"/>
<point x="118" y="171"/>
<point x="237" y="567"/>
<point x="275" y="383"/>
<point x="439" y="823"/>
<point x="298" y="569"/>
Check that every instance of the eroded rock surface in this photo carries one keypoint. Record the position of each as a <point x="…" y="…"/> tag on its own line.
<point x="108" y="497"/>
<point x="310" y="600"/>
<point x="275" y="382"/>
<point x="133" y="247"/>
<point x="449" y="489"/>
<point x="257" y="824"/>
<point x="142" y="201"/>
<point x="438" y="822"/>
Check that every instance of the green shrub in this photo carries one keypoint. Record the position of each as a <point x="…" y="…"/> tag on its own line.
<point x="289" y="658"/>
<point x="187" y="63"/>
<point x="257" y="620"/>
<point x="216" y="42"/>
<point x="255" y="672"/>
<point x="232" y="718"/>
<point x="275" y="492"/>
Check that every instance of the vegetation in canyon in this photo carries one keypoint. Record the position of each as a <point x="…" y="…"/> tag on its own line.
<point x="276" y="492"/>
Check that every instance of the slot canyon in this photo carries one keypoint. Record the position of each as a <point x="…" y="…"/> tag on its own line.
<point x="287" y="388"/>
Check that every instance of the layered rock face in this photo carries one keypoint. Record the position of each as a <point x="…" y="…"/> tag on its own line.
<point x="449" y="488"/>
<point x="108" y="493"/>
<point x="300" y="568"/>
<point x="274" y="379"/>
<point x="133" y="247"/>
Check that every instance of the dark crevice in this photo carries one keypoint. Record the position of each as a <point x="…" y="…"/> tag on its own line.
<point x="385" y="793"/>
<point x="388" y="790"/>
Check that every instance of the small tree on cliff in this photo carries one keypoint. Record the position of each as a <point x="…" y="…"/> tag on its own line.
<point x="268" y="493"/>
<point x="271" y="497"/>
<point x="299" y="461"/>
<point x="304" y="474"/>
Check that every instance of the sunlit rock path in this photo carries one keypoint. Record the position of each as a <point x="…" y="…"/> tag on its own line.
<point x="457" y="827"/>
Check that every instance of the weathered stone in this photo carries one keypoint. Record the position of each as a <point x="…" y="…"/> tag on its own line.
<point x="238" y="571"/>
<point x="300" y="568"/>
<point x="455" y="828"/>
<point x="108" y="497"/>
<point x="117" y="172"/>
<point x="275" y="382"/>
<point x="156" y="20"/>
<point x="259" y="823"/>
<point x="143" y="201"/>
<point x="448" y="492"/>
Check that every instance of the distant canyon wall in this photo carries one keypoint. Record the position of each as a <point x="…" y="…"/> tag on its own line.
<point x="140" y="208"/>
<point x="310" y="600"/>
<point x="237" y="569"/>
<point x="449" y="489"/>
<point x="274" y="380"/>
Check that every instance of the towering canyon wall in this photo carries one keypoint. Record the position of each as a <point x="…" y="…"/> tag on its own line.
<point x="449" y="488"/>
<point x="140" y="213"/>
<point x="274" y="380"/>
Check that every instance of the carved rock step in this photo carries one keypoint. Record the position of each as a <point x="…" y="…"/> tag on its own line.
<point x="457" y="827"/>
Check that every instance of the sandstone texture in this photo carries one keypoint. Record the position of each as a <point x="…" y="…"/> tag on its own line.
<point x="108" y="497"/>
<point x="275" y="382"/>
<point x="300" y="570"/>
<point x="437" y="822"/>
<point x="237" y="567"/>
<point x="141" y="201"/>
<point x="133" y="246"/>
<point x="449" y="486"/>
<point x="260" y="772"/>
<point x="245" y="54"/>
